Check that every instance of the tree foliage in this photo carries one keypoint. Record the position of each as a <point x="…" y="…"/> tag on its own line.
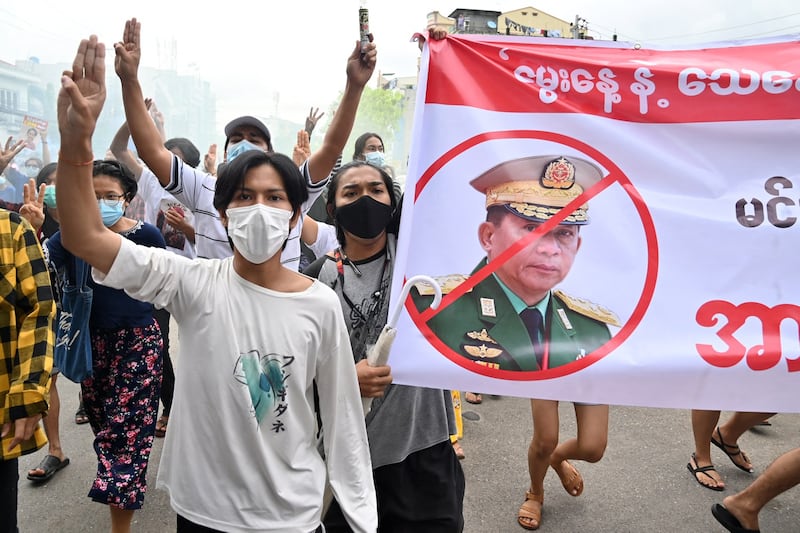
<point x="379" y="111"/>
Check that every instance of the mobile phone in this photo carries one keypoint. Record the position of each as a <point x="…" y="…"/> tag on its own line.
<point x="363" y="26"/>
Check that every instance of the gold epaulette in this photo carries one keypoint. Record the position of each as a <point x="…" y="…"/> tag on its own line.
<point x="447" y="284"/>
<point x="590" y="309"/>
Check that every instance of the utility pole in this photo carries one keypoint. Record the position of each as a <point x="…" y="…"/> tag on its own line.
<point x="579" y="27"/>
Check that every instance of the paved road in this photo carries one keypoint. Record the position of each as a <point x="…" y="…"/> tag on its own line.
<point x="640" y="485"/>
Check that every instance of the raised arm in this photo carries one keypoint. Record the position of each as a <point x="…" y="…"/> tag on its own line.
<point x="302" y="150"/>
<point x="10" y="151"/>
<point x="158" y="118"/>
<point x="32" y="208"/>
<point x="142" y="128"/>
<point x="311" y="120"/>
<point x="46" y="159"/>
<point x="119" y="147"/>
<point x="359" y="70"/>
<point x="80" y="100"/>
<point x="210" y="160"/>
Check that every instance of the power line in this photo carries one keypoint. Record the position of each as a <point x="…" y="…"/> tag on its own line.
<point x="750" y="24"/>
<point x="695" y="34"/>
<point x="770" y="32"/>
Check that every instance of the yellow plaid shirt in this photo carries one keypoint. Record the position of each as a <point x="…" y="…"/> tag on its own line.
<point x="27" y="311"/>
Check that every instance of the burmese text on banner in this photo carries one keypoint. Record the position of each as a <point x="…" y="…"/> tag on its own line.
<point x="686" y="254"/>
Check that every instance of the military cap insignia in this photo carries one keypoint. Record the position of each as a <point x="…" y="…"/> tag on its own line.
<point x="558" y="174"/>
<point x="482" y="351"/>
<point x="481" y="335"/>
<point x="446" y="283"/>
<point x="590" y="309"/>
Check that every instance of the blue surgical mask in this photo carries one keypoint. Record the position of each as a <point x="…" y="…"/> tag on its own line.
<point x="237" y="149"/>
<point x="50" y="196"/>
<point x="375" y="158"/>
<point x="111" y="213"/>
<point x="30" y="171"/>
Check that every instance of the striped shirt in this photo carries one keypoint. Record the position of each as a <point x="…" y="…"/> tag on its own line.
<point x="26" y="330"/>
<point x="195" y="189"/>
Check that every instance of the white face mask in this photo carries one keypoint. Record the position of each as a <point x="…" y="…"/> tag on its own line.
<point x="258" y="231"/>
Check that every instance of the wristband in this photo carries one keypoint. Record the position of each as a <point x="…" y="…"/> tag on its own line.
<point x="75" y="163"/>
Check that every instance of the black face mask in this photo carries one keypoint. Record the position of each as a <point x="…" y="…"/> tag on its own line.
<point x="365" y="218"/>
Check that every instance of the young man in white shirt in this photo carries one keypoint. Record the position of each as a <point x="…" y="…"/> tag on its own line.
<point x="241" y="451"/>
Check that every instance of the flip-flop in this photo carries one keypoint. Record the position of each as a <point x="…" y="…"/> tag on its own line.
<point x="473" y="397"/>
<point x="458" y="450"/>
<point x="50" y="465"/>
<point x="728" y="521"/>
<point x="80" y="416"/>
<point x="722" y="445"/>
<point x="697" y="469"/>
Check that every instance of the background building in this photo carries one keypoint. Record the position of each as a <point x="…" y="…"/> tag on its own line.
<point x="533" y="22"/>
<point x="527" y="21"/>
<point x="30" y="89"/>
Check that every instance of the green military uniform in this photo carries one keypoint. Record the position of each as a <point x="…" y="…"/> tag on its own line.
<point x="483" y="326"/>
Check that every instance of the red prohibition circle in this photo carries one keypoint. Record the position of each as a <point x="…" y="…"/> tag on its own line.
<point x="615" y="175"/>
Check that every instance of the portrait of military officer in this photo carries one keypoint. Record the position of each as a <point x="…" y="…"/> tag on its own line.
<point x="516" y="318"/>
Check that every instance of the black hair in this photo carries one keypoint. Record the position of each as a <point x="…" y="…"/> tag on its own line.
<point x="361" y="142"/>
<point x="330" y="200"/>
<point x="191" y="155"/>
<point x="230" y="179"/>
<point x="44" y="174"/>
<point x="118" y="172"/>
<point x="496" y="213"/>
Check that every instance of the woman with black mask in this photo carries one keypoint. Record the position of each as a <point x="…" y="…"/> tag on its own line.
<point x="418" y="479"/>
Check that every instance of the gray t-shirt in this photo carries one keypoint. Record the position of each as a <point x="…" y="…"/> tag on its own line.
<point x="407" y="419"/>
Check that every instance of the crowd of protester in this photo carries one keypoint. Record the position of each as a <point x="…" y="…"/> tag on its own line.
<point x="301" y="246"/>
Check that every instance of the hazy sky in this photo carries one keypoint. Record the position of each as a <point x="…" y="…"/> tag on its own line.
<point x="289" y="55"/>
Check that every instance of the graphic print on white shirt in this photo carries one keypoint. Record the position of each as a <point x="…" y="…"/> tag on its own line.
<point x="265" y="377"/>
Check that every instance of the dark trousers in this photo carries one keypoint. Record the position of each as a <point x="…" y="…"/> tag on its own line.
<point x="9" y="480"/>
<point x="187" y="526"/>
<point x="168" y="378"/>
<point x="423" y="494"/>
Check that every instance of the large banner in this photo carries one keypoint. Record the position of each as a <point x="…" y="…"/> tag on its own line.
<point x="608" y="223"/>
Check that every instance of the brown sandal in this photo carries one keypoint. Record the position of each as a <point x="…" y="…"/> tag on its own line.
<point x="571" y="479"/>
<point x="529" y="515"/>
